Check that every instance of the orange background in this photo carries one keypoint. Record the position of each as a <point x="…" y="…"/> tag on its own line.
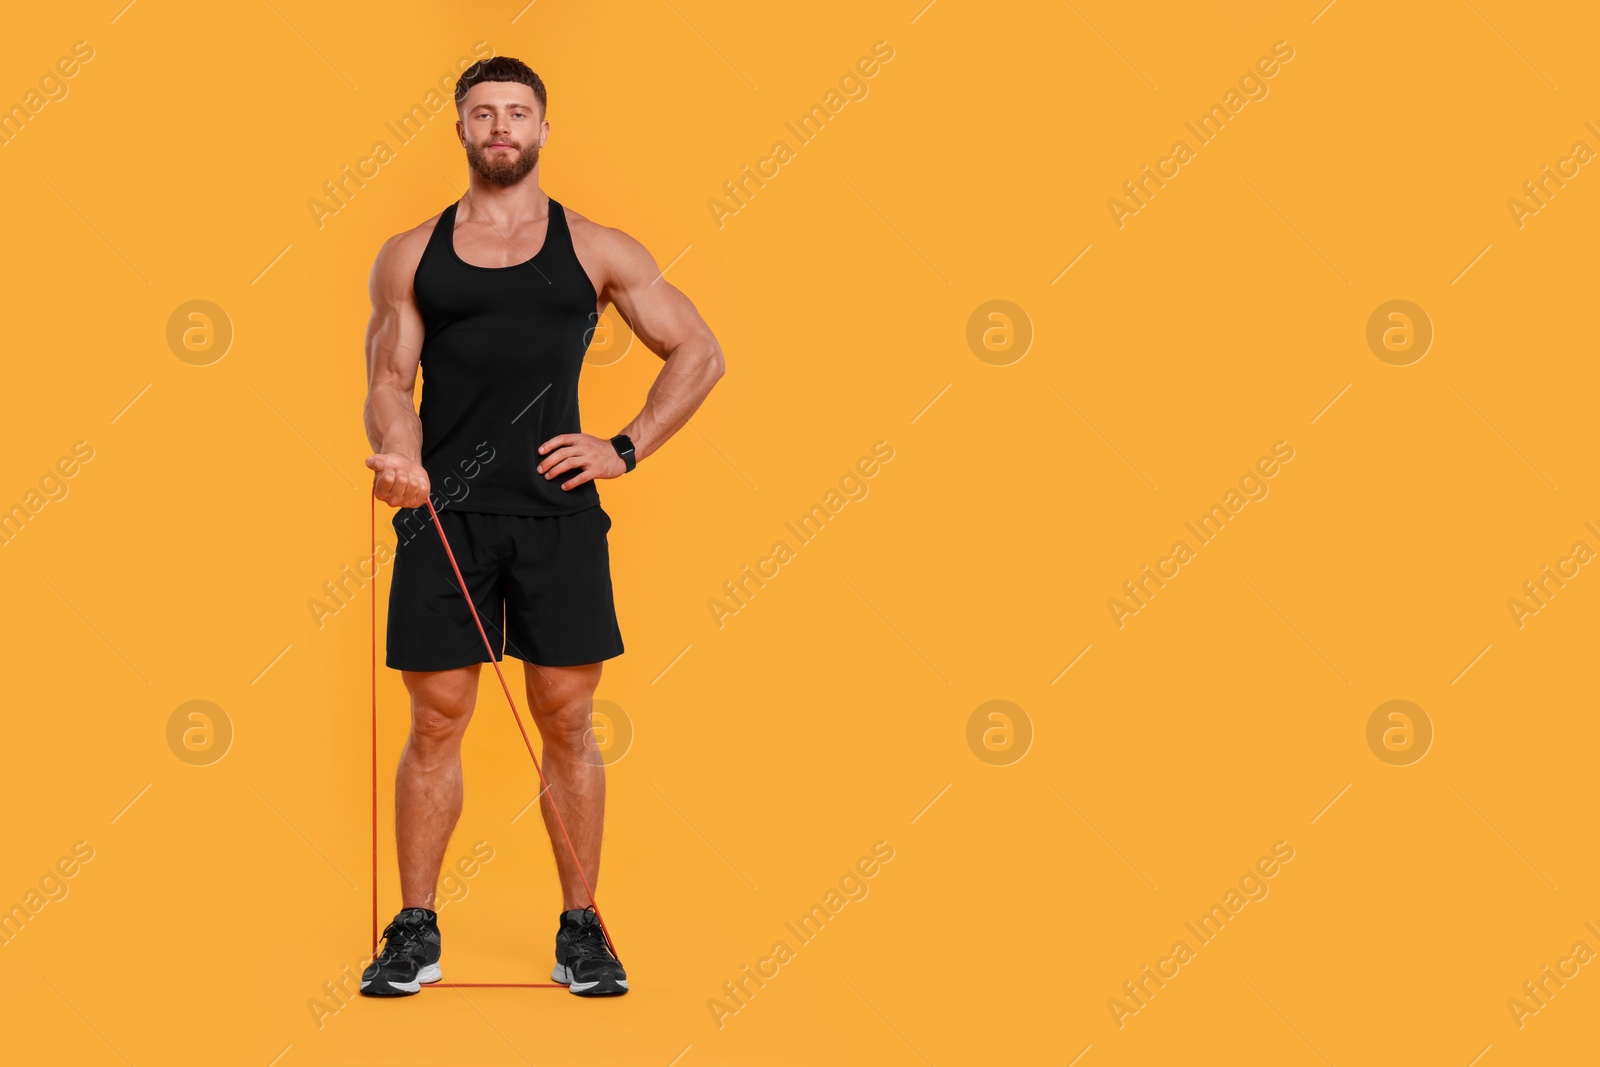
<point x="1040" y="860"/>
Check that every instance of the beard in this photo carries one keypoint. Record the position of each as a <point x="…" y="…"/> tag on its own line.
<point x="500" y="168"/>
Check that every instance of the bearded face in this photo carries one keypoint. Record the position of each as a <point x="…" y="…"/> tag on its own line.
<point x="501" y="160"/>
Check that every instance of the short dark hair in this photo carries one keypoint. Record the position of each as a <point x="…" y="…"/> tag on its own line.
<point x="499" y="69"/>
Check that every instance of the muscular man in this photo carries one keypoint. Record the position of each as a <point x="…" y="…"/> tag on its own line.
<point x="496" y="298"/>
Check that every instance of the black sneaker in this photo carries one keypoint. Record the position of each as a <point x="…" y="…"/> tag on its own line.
<point x="410" y="956"/>
<point x="584" y="963"/>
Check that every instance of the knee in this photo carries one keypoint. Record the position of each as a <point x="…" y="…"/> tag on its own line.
<point x="436" y="724"/>
<point x="565" y="723"/>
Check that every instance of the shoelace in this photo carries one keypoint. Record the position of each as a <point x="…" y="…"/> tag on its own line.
<point x="588" y="942"/>
<point x="398" y="940"/>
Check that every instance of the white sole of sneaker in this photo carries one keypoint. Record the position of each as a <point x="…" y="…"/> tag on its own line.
<point x="564" y="976"/>
<point x="427" y="976"/>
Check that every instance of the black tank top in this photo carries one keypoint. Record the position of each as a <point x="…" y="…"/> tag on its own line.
<point x="500" y="360"/>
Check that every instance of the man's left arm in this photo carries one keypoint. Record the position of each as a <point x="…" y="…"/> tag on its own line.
<point x="666" y="322"/>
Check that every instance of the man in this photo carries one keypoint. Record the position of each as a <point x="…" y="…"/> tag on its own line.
<point x="496" y="298"/>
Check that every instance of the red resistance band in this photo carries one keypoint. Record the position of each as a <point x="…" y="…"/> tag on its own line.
<point x="543" y="783"/>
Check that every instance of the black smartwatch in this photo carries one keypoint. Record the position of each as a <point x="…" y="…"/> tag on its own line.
<point x="624" y="449"/>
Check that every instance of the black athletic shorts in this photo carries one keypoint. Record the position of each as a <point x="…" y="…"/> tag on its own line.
<point x="542" y="586"/>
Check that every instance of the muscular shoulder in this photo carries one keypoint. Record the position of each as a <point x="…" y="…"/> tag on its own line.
<point x="397" y="260"/>
<point x="612" y="255"/>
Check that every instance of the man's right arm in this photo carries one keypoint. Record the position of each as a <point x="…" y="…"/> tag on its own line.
<point x="394" y="349"/>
